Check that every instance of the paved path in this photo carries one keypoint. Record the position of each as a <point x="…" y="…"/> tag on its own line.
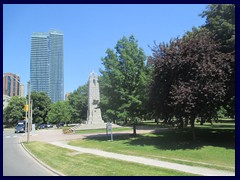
<point x="49" y="135"/>
<point x="147" y="161"/>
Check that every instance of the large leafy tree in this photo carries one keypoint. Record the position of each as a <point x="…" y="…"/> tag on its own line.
<point x="220" y="21"/>
<point x="60" y="112"/>
<point x="14" y="111"/>
<point x="124" y="81"/>
<point x="41" y="106"/>
<point x="189" y="78"/>
<point x="106" y="115"/>
<point x="78" y="100"/>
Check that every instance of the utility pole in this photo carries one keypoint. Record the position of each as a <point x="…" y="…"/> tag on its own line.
<point x="26" y="119"/>
<point x="31" y="114"/>
<point x="29" y="111"/>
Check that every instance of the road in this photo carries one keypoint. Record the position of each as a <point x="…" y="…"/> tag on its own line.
<point x="16" y="162"/>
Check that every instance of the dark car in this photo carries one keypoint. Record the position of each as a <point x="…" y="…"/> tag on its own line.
<point x="49" y="125"/>
<point x="42" y="126"/>
<point x="20" y="128"/>
<point x="37" y="126"/>
<point x="60" y="124"/>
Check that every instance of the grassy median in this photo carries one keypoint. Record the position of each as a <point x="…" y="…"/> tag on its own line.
<point x="71" y="163"/>
<point x="215" y="145"/>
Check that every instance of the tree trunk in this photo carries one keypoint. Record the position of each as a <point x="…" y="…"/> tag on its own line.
<point x="134" y="129"/>
<point x="193" y="130"/>
<point x="211" y="121"/>
<point x="186" y="122"/>
<point x="180" y="122"/>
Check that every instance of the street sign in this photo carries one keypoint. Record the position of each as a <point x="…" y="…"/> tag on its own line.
<point x="109" y="127"/>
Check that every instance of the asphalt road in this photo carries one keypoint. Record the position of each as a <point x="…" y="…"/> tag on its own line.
<point x="16" y="162"/>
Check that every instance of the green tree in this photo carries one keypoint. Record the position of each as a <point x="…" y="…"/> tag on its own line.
<point x="60" y="112"/>
<point x="14" y="111"/>
<point x="104" y="102"/>
<point x="124" y="81"/>
<point x="220" y="21"/>
<point x="41" y="106"/>
<point x="78" y="101"/>
<point x="222" y="113"/>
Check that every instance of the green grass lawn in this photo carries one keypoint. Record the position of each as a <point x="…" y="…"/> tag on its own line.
<point x="215" y="145"/>
<point x="74" y="164"/>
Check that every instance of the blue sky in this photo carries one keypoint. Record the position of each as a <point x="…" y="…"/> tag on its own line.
<point x="88" y="31"/>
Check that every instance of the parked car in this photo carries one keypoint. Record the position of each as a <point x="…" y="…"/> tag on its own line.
<point x="60" y="124"/>
<point x="20" y="128"/>
<point x="49" y="125"/>
<point x="37" y="126"/>
<point x="42" y="126"/>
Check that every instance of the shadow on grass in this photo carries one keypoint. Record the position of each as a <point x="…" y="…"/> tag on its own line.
<point x="174" y="139"/>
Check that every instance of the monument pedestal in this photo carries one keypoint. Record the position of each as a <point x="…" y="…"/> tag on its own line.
<point x="95" y="126"/>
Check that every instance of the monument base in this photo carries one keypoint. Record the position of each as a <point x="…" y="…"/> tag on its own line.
<point x="95" y="126"/>
<point x="96" y="121"/>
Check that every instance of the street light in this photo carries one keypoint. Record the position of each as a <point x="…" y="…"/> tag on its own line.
<point x="29" y="111"/>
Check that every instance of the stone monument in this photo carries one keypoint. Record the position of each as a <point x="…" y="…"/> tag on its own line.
<point x="94" y="112"/>
<point x="94" y="116"/>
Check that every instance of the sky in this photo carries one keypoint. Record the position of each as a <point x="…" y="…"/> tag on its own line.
<point x="89" y="30"/>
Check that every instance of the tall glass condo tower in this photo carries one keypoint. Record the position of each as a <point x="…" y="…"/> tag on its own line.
<point x="47" y="65"/>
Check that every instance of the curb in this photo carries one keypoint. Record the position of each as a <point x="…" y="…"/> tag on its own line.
<point x="42" y="163"/>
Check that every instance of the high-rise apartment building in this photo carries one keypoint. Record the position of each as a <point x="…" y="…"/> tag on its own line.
<point x="39" y="63"/>
<point x="56" y="66"/>
<point x="11" y="83"/>
<point x="46" y="64"/>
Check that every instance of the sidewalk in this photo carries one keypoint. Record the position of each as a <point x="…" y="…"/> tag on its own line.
<point x="147" y="161"/>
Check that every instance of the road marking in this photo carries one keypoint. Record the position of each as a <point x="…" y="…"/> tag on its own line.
<point x="8" y="136"/>
<point x="15" y="136"/>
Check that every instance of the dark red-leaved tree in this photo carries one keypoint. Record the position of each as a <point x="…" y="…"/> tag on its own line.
<point x="190" y="78"/>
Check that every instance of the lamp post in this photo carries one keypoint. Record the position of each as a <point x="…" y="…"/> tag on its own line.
<point x="26" y="110"/>
<point x="29" y="112"/>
